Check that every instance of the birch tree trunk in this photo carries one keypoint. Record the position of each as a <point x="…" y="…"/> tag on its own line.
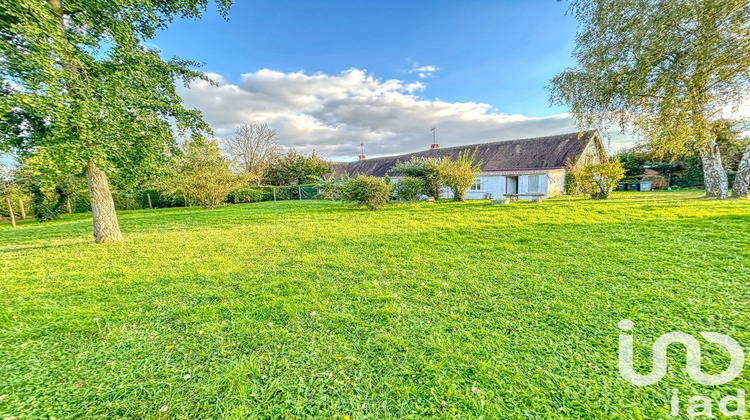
<point x="10" y="210"/>
<point x="714" y="175"/>
<point x="741" y="181"/>
<point x="709" y="180"/>
<point x="106" y="226"/>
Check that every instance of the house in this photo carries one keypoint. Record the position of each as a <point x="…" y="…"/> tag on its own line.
<point x="535" y="166"/>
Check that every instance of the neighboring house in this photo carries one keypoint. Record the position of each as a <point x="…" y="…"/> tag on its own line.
<point x="535" y="166"/>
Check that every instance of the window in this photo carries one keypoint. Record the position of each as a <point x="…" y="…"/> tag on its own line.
<point x="533" y="184"/>
<point x="476" y="186"/>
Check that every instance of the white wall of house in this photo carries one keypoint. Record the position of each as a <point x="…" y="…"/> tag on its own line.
<point x="556" y="182"/>
<point x="549" y="183"/>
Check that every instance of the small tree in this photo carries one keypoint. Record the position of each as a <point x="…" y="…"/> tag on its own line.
<point x="296" y="168"/>
<point x="408" y="188"/>
<point x="598" y="180"/>
<point x="253" y="148"/>
<point x="461" y="173"/>
<point x="367" y="191"/>
<point x="201" y="174"/>
<point x="329" y="189"/>
<point x="425" y="169"/>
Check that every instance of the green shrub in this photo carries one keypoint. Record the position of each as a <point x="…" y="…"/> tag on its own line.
<point x="367" y="191"/>
<point x="408" y="188"/>
<point x="597" y="180"/>
<point x="247" y="195"/>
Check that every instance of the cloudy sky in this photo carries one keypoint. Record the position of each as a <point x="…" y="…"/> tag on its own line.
<point x="331" y="75"/>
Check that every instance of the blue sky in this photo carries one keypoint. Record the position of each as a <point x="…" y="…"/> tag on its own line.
<point x="502" y="53"/>
<point x="331" y="75"/>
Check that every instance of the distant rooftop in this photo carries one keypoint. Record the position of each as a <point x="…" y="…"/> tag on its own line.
<point x="549" y="152"/>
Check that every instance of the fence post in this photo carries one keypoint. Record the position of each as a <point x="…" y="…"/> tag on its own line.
<point x="300" y="192"/>
<point x="149" y="200"/>
<point x="10" y="210"/>
<point x="23" y="210"/>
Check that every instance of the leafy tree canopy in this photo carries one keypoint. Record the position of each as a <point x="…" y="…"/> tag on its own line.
<point x="296" y="168"/>
<point x="669" y="68"/>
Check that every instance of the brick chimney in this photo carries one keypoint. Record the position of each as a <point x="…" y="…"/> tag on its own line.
<point x="434" y="146"/>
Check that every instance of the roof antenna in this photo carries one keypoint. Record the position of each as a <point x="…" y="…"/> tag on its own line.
<point x="362" y="154"/>
<point x="434" y="144"/>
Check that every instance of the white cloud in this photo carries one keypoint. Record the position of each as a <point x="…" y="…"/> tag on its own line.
<point x="333" y="114"/>
<point x="423" y="71"/>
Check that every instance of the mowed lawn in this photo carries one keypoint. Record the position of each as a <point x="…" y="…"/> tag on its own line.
<point x="316" y="310"/>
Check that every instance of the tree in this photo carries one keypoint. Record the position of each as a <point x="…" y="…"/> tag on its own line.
<point x="742" y="179"/>
<point x="425" y="169"/>
<point x="80" y="85"/>
<point x="408" y="188"/>
<point x="7" y="189"/>
<point x="253" y="147"/>
<point x="599" y="179"/>
<point x="296" y="168"/>
<point x="461" y="173"/>
<point x="667" y="68"/>
<point x="201" y="174"/>
<point x="367" y="191"/>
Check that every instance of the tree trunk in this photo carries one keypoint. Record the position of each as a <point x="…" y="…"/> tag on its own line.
<point x="709" y="181"/>
<point x="106" y="227"/>
<point x="22" y="208"/>
<point x="715" y="177"/>
<point x="10" y="211"/>
<point x="67" y="204"/>
<point x="741" y="181"/>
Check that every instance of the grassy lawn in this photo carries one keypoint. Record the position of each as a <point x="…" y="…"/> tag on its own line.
<point x="313" y="309"/>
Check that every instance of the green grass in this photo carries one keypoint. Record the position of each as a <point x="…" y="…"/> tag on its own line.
<point x="316" y="310"/>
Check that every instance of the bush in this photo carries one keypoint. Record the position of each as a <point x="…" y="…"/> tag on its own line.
<point x="657" y="181"/>
<point x="425" y="169"/>
<point x="598" y="180"/>
<point x="461" y="173"/>
<point x="408" y="188"/>
<point x="366" y="191"/>
<point x="201" y="174"/>
<point x="247" y="195"/>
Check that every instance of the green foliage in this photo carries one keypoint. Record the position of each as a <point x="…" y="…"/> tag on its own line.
<point x="367" y="191"/>
<point x="461" y="173"/>
<point x="81" y="88"/>
<point x="92" y="91"/>
<point x="246" y="194"/>
<point x="409" y="188"/>
<point x="424" y="168"/>
<point x="404" y="309"/>
<point x="571" y="187"/>
<point x="670" y="72"/>
<point x="329" y="188"/>
<point x="201" y="174"/>
<point x="692" y="175"/>
<point x="728" y="135"/>
<point x="598" y="180"/>
<point x="296" y="168"/>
